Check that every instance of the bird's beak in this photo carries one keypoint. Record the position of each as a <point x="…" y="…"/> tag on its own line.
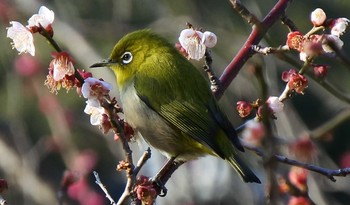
<point x="104" y="63"/>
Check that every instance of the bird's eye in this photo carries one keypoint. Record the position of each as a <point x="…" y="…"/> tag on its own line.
<point x="126" y="57"/>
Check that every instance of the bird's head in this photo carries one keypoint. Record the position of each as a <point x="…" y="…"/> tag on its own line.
<point x="132" y="54"/>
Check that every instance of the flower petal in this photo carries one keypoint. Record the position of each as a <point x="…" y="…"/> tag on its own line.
<point x="22" y="38"/>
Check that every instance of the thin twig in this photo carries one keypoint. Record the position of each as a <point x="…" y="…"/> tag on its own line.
<point x="246" y="52"/>
<point x="286" y="21"/>
<point x="146" y="156"/>
<point x="99" y="183"/>
<point x="244" y="12"/>
<point x="214" y="81"/>
<point x="329" y="173"/>
<point x="269" y="142"/>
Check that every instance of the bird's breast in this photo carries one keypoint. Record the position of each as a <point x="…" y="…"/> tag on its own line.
<point x="155" y="130"/>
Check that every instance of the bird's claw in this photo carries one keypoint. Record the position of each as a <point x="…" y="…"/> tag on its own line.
<point x="161" y="189"/>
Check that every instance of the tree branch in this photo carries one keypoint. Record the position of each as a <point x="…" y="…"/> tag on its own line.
<point x="258" y="32"/>
<point x="329" y="173"/>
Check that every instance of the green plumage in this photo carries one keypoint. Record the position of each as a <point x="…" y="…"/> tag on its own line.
<point x="166" y="99"/>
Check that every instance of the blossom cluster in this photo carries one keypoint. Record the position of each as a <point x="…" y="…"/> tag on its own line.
<point x="22" y="36"/>
<point x="61" y="71"/>
<point x="312" y="44"/>
<point x="245" y="108"/>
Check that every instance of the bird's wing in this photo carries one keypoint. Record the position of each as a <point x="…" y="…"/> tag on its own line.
<point x="187" y="112"/>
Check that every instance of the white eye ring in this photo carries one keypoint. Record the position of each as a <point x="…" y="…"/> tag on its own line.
<point x="126" y="57"/>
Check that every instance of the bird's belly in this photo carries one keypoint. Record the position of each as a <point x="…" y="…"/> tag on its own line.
<point x="156" y="131"/>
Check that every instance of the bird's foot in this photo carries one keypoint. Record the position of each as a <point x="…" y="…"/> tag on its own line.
<point x="160" y="187"/>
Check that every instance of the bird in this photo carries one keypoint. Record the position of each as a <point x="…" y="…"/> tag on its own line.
<point x="168" y="102"/>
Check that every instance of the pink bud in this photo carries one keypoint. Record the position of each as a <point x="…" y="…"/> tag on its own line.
<point x="320" y="71"/>
<point x="244" y="108"/>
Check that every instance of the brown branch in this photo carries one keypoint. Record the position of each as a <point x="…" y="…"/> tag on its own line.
<point x="289" y="23"/>
<point x="258" y="32"/>
<point x="244" y="12"/>
<point x="329" y="173"/>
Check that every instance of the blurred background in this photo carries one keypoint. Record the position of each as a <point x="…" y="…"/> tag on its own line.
<point x="42" y="135"/>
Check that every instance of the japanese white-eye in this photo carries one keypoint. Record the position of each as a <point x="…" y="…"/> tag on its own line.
<point x="167" y="100"/>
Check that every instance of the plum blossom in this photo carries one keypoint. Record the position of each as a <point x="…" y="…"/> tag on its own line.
<point x="318" y="17"/>
<point x="96" y="114"/>
<point x="45" y="18"/>
<point x="314" y="45"/>
<point x="62" y="65"/>
<point x="338" y="26"/>
<point x="22" y="38"/>
<point x="195" y="42"/>
<point x="295" y="81"/>
<point x="94" y="90"/>
<point x="244" y="108"/>
<point x="275" y="104"/>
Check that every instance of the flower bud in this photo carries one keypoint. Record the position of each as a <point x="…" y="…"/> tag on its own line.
<point x="209" y="39"/>
<point x="320" y="71"/>
<point x="318" y="17"/>
<point x="244" y="108"/>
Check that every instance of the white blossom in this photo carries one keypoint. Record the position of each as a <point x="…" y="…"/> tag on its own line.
<point x="22" y="38"/>
<point x="275" y="104"/>
<point x="93" y="88"/>
<point x="191" y="41"/>
<point x="95" y="113"/>
<point x="62" y="66"/>
<point x="45" y="17"/>
<point x="209" y="39"/>
<point x="318" y="17"/>
<point x="339" y="26"/>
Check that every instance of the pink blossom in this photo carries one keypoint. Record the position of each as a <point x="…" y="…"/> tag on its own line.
<point x="62" y="65"/>
<point x="244" y="108"/>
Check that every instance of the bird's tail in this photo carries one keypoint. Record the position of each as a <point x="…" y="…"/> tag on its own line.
<point x="242" y="169"/>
